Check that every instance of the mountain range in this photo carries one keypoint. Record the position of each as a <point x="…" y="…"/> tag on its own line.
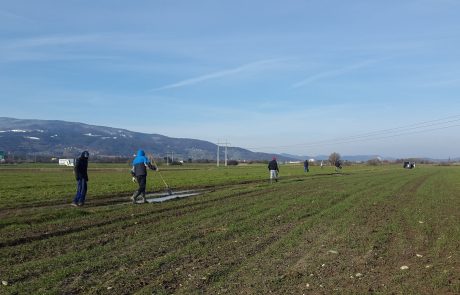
<point x="67" y="139"/>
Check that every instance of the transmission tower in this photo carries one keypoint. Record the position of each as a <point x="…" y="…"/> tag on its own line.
<point x="224" y="144"/>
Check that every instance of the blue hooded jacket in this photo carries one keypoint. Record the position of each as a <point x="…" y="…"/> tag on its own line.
<point x="140" y="158"/>
<point x="140" y="164"/>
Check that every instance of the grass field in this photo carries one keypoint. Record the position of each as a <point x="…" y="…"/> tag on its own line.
<point x="316" y="233"/>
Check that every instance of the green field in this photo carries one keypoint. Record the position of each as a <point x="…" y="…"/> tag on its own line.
<point x="316" y="233"/>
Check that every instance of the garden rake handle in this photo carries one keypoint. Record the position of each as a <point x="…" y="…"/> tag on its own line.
<point x="161" y="176"/>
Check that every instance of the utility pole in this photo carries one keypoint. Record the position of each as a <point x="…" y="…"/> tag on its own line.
<point x="167" y="158"/>
<point x="225" y="155"/>
<point x="225" y="144"/>
<point x="218" y="154"/>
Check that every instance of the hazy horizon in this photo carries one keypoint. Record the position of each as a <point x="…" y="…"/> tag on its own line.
<point x="353" y="138"/>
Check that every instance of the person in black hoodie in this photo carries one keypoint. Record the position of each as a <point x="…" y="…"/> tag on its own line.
<point x="305" y="166"/>
<point x="274" y="170"/>
<point x="81" y="175"/>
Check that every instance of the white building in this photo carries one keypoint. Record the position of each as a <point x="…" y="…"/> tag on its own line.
<point x="66" y="162"/>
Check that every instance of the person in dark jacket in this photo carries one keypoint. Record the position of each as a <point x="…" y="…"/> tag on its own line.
<point x="338" y="165"/>
<point x="305" y="166"/>
<point x="274" y="170"/>
<point x="81" y="175"/>
<point x="139" y="173"/>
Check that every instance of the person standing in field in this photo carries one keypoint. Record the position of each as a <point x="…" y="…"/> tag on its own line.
<point x="305" y="166"/>
<point x="338" y="165"/>
<point x="274" y="170"/>
<point x="139" y="173"/>
<point x="81" y="175"/>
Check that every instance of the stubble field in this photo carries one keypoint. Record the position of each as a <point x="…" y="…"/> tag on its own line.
<point x="378" y="230"/>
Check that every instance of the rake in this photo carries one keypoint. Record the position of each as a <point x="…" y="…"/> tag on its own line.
<point x="167" y="188"/>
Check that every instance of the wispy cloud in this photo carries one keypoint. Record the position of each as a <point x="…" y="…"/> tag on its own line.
<point x="45" y="57"/>
<point x="447" y="82"/>
<point x="333" y="73"/>
<point x="49" y="48"/>
<point x="254" y="66"/>
<point x="50" y="41"/>
<point x="4" y="14"/>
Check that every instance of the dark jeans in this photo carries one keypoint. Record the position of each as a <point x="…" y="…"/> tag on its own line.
<point x="82" y="187"/>
<point x="142" y="181"/>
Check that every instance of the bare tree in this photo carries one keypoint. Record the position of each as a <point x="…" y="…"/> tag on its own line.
<point x="334" y="158"/>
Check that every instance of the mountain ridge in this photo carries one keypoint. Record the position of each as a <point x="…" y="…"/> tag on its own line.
<point x="67" y="139"/>
<point x="58" y="138"/>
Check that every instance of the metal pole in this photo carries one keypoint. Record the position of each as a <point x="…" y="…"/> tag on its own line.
<point x="217" y="155"/>
<point x="225" y="155"/>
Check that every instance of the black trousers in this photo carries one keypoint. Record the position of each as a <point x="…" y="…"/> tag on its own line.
<point x="142" y="181"/>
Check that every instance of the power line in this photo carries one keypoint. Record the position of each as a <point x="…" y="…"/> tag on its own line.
<point x="399" y="134"/>
<point x="380" y="134"/>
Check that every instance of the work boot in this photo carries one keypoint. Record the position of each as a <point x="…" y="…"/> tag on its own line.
<point x="143" y="199"/>
<point x="134" y="197"/>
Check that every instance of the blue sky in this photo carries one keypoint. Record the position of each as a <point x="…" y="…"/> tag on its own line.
<point x="272" y="76"/>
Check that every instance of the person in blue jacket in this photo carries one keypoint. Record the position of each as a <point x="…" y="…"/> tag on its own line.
<point x="139" y="173"/>
<point x="81" y="176"/>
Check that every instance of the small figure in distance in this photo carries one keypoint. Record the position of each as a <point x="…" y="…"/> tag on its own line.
<point x="274" y="170"/>
<point x="305" y="166"/>
<point x="139" y="174"/>
<point x="322" y="164"/>
<point x="338" y="165"/>
<point x="80" y="171"/>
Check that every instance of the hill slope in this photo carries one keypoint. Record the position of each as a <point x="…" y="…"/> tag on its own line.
<point x="67" y="139"/>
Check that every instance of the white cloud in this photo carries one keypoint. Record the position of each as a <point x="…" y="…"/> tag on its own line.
<point x="49" y="48"/>
<point x="4" y="14"/>
<point x="49" y="41"/>
<point x="254" y="66"/>
<point x="333" y="73"/>
<point x="447" y="82"/>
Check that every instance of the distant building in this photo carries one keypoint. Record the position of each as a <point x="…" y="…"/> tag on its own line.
<point x="66" y="162"/>
<point x="2" y="156"/>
